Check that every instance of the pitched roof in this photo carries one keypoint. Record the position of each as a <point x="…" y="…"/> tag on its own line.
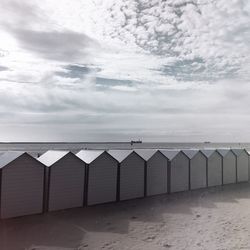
<point x="9" y="156"/>
<point x="52" y="156"/>
<point x="170" y="154"/>
<point x="237" y="151"/>
<point x="223" y="151"/>
<point x="208" y="152"/>
<point x="89" y="156"/>
<point x="146" y="154"/>
<point x="190" y="153"/>
<point x="120" y="155"/>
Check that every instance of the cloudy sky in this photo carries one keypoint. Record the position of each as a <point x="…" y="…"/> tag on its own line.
<point x="110" y="70"/>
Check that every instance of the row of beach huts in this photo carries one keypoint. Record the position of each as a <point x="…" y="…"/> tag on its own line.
<point x="59" y="180"/>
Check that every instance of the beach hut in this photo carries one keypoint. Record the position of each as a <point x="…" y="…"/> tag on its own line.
<point x="248" y="152"/>
<point x="65" y="180"/>
<point x="132" y="174"/>
<point x="241" y="164"/>
<point x="198" y="168"/>
<point x="102" y="170"/>
<point x="228" y="166"/>
<point x="22" y="185"/>
<point x="156" y="171"/>
<point x="214" y="167"/>
<point x="178" y="170"/>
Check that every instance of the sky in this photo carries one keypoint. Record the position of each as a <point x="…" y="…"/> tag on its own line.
<point x="121" y="70"/>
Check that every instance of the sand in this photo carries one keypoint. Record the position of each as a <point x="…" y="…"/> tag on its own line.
<point x="215" y="219"/>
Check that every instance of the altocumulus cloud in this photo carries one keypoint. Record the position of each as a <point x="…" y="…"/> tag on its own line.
<point x="115" y="70"/>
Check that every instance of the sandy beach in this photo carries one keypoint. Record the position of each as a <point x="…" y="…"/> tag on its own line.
<point x="112" y="100"/>
<point x="216" y="218"/>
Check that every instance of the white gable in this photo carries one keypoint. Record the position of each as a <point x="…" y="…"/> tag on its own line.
<point x="89" y="156"/>
<point x="51" y="156"/>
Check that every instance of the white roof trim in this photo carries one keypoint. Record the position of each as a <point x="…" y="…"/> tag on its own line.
<point x="146" y="154"/>
<point x="89" y="156"/>
<point x="170" y="154"/>
<point x="190" y="153"/>
<point x="51" y="157"/>
<point x="9" y="156"/>
<point x="120" y="155"/>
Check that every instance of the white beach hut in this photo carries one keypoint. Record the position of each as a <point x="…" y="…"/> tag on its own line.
<point x="178" y="174"/>
<point x="65" y="180"/>
<point x="241" y="164"/>
<point x="102" y="171"/>
<point x="22" y="184"/>
<point x="198" y="168"/>
<point x="156" y="171"/>
<point x="132" y="174"/>
<point x="214" y="167"/>
<point x="228" y="166"/>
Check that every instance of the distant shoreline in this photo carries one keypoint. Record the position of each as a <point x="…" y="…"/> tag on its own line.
<point x="118" y="142"/>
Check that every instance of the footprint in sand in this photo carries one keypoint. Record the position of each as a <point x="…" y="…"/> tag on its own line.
<point x="166" y="245"/>
<point x="150" y="238"/>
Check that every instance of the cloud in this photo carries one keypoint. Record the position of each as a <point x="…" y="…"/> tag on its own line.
<point x="110" y="70"/>
<point x="20" y="13"/>
<point x="78" y="112"/>
<point x="3" y="53"/>
<point x="54" y="45"/>
<point x="74" y="71"/>
<point x="185" y="31"/>
<point x="3" y="68"/>
<point x="116" y="84"/>
<point x="198" y="70"/>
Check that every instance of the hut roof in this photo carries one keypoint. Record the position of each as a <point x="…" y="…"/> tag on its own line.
<point x="89" y="156"/>
<point x="120" y="155"/>
<point x="9" y="156"/>
<point x="170" y="154"/>
<point x="223" y="151"/>
<point x="51" y="157"/>
<point x="146" y="154"/>
<point x="190" y="153"/>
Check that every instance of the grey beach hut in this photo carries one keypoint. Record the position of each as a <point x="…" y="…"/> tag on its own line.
<point x="22" y="184"/>
<point x="178" y="170"/>
<point x="228" y="166"/>
<point x="198" y="168"/>
<point x="101" y="178"/>
<point x="156" y="171"/>
<point x="131" y="174"/>
<point x="214" y="167"/>
<point x="65" y="180"/>
<point x="241" y="164"/>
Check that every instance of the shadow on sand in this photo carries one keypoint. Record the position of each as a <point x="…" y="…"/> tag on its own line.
<point x="67" y="229"/>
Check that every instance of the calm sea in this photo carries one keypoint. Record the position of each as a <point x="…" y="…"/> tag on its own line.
<point x="39" y="148"/>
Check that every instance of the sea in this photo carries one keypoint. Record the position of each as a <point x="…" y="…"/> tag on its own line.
<point x="38" y="148"/>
